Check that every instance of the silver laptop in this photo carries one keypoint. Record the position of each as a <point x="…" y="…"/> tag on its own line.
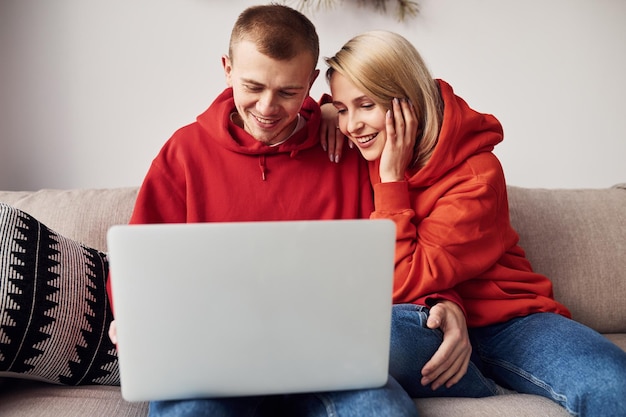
<point x="251" y="308"/>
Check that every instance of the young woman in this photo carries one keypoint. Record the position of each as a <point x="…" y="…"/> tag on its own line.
<point x="435" y="175"/>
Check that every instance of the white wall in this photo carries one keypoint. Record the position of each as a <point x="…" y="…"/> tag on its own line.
<point x="90" y="89"/>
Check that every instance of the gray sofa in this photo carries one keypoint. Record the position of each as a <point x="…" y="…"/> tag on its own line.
<point x="576" y="237"/>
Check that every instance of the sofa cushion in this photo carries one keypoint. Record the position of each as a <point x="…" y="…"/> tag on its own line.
<point x="54" y="311"/>
<point x="44" y="400"/>
<point x="517" y="405"/>
<point x="576" y="238"/>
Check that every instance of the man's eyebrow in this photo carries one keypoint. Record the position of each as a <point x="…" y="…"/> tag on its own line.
<point x="286" y="87"/>
<point x="251" y="81"/>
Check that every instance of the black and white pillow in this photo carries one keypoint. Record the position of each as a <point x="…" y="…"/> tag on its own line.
<point x="54" y="310"/>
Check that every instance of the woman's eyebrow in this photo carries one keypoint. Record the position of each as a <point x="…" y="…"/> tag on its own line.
<point x="355" y="100"/>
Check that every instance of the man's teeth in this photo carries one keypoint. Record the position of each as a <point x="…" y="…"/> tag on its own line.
<point x="365" y="139"/>
<point x="264" y="121"/>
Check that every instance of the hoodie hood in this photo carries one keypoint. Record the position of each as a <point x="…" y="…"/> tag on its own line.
<point x="464" y="132"/>
<point x="236" y="139"/>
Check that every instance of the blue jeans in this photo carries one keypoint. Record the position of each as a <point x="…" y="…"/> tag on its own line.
<point x="544" y="354"/>
<point x="388" y="401"/>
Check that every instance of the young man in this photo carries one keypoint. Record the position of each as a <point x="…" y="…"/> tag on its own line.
<point x="254" y="155"/>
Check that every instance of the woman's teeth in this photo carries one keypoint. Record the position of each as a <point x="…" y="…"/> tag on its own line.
<point x="365" y="139"/>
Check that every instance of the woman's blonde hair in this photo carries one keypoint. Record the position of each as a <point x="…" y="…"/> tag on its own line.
<point x="385" y="65"/>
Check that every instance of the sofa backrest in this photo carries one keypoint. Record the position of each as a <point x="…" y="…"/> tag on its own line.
<point x="577" y="238"/>
<point x="84" y="215"/>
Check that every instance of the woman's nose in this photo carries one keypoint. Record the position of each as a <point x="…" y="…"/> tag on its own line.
<point x="354" y="124"/>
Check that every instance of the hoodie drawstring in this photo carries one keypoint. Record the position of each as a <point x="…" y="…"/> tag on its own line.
<point x="262" y="166"/>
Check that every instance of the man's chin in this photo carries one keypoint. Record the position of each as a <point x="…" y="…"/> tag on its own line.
<point x="267" y="137"/>
<point x="262" y="135"/>
<point x="268" y="140"/>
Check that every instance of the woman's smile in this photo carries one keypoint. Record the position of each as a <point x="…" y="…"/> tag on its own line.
<point x="363" y="140"/>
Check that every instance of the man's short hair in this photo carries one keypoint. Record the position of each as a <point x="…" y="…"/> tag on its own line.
<point x="278" y="31"/>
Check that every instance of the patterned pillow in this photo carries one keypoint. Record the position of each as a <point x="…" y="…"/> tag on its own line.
<point x="54" y="310"/>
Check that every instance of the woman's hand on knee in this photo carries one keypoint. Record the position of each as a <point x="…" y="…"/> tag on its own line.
<point x="449" y="364"/>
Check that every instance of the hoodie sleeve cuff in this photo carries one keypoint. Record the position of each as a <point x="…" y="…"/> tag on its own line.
<point x="449" y="295"/>
<point x="110" y="292"/>
<point x="392" y="197"/>
<point x="326" y="98"/>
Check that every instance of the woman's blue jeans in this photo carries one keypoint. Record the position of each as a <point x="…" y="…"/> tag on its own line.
<point x="544" y="354"/>
<point x="388" y="401"/>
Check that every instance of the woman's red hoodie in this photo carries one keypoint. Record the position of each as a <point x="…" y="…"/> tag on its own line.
<point x="454" y="237"/>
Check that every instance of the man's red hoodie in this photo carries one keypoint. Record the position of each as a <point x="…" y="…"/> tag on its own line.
<point x="214" y="171"/>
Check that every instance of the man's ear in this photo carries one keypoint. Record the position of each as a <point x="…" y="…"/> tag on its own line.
<point x="314" y="76"/>
<point x="228" y="69"/>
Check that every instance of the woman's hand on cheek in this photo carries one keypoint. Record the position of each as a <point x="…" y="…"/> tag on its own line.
<point x="401" y="131"/>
